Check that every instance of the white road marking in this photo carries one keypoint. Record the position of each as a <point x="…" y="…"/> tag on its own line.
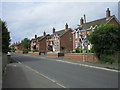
<point x="42" y="75"/>
<point x="87" y="65"/>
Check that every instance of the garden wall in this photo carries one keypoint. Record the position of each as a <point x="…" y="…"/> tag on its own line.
<point x="83" y="57"/>
<point x="17" y="51"/>
<point x="52" y="54"/>
<point x="34" y="53"/>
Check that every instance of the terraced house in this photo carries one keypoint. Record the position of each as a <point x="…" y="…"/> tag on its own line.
<point x="57" y="41"/>
<point x="61" y="40"/>
<point x="39" y="43"/>
<point x="80" y="34"/>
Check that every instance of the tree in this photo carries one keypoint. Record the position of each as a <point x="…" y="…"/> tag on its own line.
<point x="62" y="48"/>
<point x="26" y="43"/>
<point x="105" y="40"/>
<point x="5" y="37"/>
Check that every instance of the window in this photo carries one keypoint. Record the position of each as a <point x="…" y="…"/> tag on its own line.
<point x="76" y="35"/>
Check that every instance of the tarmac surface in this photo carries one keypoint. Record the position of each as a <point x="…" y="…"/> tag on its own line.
<point x="33" y="71"/>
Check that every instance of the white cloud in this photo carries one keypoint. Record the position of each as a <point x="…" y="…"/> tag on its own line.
<point x="27" y="19"/>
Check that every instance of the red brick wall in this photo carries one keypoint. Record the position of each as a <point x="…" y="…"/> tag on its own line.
<point x="52" y="54"/>
<point x="43" y="45"/>
<point x="90" y="57"/>
<point x="34" y="53"/>
<point x="17" y="51"/>
<point x="114" y="22"/>
<point x="67" y="40"/>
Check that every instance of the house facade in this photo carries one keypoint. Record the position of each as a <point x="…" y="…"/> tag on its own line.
<point x="39" y="43"/>
<point x="61" y="40"/>
<point x="16" y="46"/>
<point x="80" y="34"/>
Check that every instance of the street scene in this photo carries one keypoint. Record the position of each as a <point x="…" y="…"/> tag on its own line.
<point x="43" y="72"/>
<point x="60" y="45"/>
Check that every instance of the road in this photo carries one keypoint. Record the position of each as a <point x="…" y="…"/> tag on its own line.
<point x="66" y="74"/>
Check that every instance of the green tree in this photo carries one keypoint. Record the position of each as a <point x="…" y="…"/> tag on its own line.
<point x="5" y="37"/>
<point x="62" y="48"/>
<point x="105" y="40"/>
<point x="78" y="50"/>
<point x="26" y="43"/>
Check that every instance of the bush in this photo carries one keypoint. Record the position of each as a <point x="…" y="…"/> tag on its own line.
<point x="25" y="51"/>
<point x="78" y="50"/>
<point x="107" y="58"/>
<point x="105" y="40"/>
<point x="92" y="50"/>
<point x="35" y="50"/>
<point x="13" y="50"/>
<point x="62" y="48"/>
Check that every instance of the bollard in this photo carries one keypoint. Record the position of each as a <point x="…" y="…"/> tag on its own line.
<point x="9" y="57"/>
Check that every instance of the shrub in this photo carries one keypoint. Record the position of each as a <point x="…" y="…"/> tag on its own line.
<point x="105" y="40"/>
<point x="13" y="50"/>
<point x="25" y="51"/>
<point x="92" y="50"/>
<point x="35" y="50"/>
<point x="62" y="48"/>
<point x="78" y="50"/>
<point x="107" y="58"/>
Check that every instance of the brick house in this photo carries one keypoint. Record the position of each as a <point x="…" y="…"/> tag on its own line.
<point x="16" y="46"/>
<point x="62" y="39"/>
<point x="79" y="34"/>
<point x="39" y="43"/>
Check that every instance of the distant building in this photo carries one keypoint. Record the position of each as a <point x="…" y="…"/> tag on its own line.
<point x="16" y="46"/>
<point x="84" y="29"/>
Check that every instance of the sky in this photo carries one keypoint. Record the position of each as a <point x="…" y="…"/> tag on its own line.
<point x="25" y="19"/>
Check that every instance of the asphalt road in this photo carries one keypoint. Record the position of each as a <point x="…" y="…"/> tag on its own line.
<point x="67" y="74"/>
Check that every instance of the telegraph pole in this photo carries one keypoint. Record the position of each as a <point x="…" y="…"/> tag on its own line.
<point x="85" y="35"/>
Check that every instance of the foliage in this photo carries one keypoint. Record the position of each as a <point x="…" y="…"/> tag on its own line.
<point x="26" y="43"/>
<point x="25" y="50"/>
<point x="5" y="37"/>
<point x="78" y="50"/>
<point x="92" y="50"/>
<point x="13" y="49"/>
<point x="35" y="50"/>
<point x="105" y="40"/>
<point x="62" y="47"/>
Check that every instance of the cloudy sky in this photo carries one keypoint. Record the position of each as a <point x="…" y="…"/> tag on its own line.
<point x="25" y="19"/>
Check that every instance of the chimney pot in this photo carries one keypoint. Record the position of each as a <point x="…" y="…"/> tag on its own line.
<point x="53" y="30"/>
<point x="81" y="21"/>
<point x="107" y="13"/>
<point x="66" y="26"/>
<point x="44" y="34"/>
<point x="35" y="36"/>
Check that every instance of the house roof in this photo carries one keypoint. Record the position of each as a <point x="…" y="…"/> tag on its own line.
<point x="42" y="37"/>
<point x="95" y="22"/>
<point x="60" y="32"/>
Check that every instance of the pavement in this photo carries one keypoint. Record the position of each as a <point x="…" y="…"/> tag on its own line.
<point x="34" y="71"/>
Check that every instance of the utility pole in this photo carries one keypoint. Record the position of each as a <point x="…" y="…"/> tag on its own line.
<point x="85" y="42"/>
<point x="86" y="34"/>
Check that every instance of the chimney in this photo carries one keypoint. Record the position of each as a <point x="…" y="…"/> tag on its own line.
<point x="107" y="13"/>
<point x="66" y="26"/>
<point x="35" y="36"/>
<point x="81" y="21"/>
<point x="53" y="30"/>
<point x="44" y="34"/>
